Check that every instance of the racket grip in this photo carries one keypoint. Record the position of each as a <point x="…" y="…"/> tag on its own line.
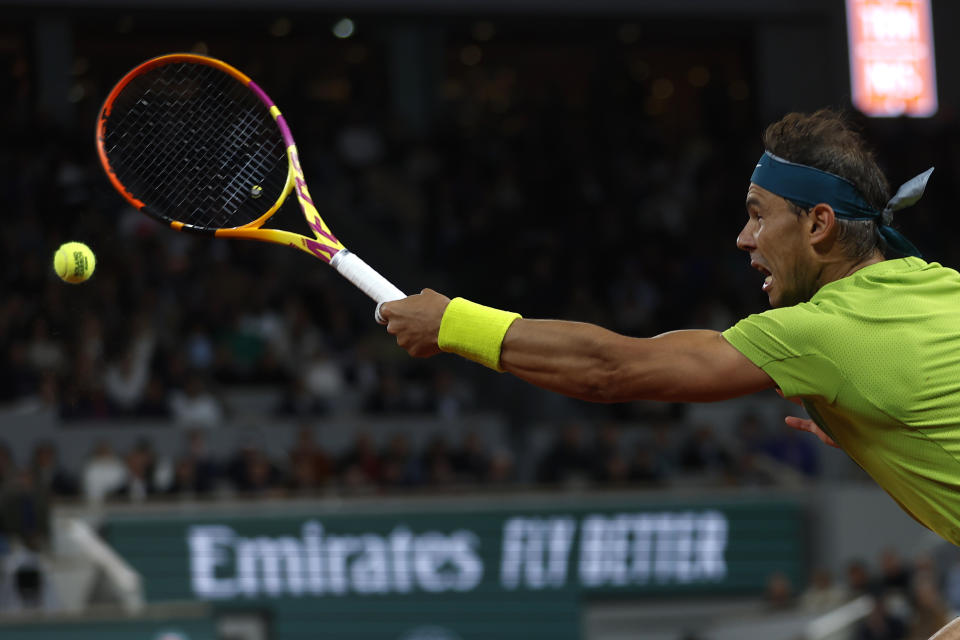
<point x="366" y="278"/>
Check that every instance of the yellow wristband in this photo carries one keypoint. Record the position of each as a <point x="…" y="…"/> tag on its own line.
<point x="474" y="331"/>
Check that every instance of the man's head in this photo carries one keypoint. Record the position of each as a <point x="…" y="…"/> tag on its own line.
<point x="801" y="243"/>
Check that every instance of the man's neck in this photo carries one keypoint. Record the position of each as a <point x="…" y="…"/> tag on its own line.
<point x="832" y="271"/>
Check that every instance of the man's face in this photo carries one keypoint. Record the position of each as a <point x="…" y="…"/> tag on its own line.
<point x="775" y="237"/>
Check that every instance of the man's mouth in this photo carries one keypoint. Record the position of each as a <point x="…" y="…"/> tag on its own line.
<point x="768" y="280"/>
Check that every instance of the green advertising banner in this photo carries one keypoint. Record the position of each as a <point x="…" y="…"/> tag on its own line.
<point x="468" y="572"/>
<point x="122" y="628"/>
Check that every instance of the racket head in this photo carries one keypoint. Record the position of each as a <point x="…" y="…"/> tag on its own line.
<point x="194" y="143"/>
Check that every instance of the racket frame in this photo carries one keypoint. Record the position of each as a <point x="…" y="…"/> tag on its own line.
<point x="324" y="245"/>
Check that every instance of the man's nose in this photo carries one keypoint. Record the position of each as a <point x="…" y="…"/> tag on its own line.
<point x="745" y="239"/>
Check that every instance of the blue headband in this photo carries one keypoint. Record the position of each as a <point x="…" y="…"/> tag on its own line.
<point x="808" y="186"/>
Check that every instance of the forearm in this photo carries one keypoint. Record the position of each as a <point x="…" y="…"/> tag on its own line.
<point x="571" y="358"/>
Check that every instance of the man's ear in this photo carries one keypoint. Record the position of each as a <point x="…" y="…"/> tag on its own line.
<point x="822" y="225"/>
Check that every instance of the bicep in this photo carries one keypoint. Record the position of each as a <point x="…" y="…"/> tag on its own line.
<point x="691" y="366"/>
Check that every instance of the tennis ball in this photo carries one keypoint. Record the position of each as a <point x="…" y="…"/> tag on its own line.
<point x="74" y="262"/>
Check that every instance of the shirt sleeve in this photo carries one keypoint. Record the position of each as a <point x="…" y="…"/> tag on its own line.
<point x="788" y="344"/>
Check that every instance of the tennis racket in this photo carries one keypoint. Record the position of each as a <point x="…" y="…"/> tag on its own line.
<point x="196" y="144"/>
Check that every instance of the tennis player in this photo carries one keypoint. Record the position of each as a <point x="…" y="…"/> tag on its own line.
<point x="869" y="345"/>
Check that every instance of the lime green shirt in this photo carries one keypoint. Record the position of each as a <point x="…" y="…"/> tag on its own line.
<point x="875" y="357"/>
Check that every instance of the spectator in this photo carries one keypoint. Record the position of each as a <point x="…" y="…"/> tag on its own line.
<point x="451" y="396"/>
<point x="894" y="574"/>
<point x="880" y="624"/>
<point x="703" y="453"/>
<point x="195" y="405"/>
<point x="399" y="467"/>
<point x="44" y="354"/>
<point x="90" y="341"/>
<point x="138" y="484"/>
<point x="196" y="473"/>
<point x="822" y="595"/>
<point x="253" y="474"/>
<point x="859" y="581"/>
<point x="47" y="473"/>
<point x="930" y="611"/>
<point x="752" y="435"/>
<point x="25" y="511"/>
<point x="791" y="448"/>
<point x="438" y="462"/>
<point x="390" y="396"/>
<point x="207" y="468"/>
<point x="154" y="403"/>
<point x="297" y="401"/>
<point x="502" y="468"/>
<point x="103" y="473"/>
<point x="952" y="584"/>
<point x="184" y="481"/>
<point x="83" y="396"/>
<point x="18" y="377"/>
<point x="751" y="461"/>
<point x="609" y="464"/>
<point x="567" y="462"/>
<point x="311" y="466"/>
<point x="779" y="592"/>
<point x="645" y="467"/>
<point x="8" y="468"/>
<point x="324" y="381"/>
<point x="361" y="467"/>
<point x="471" y="463"/>
<point x="199" y="347"/>
<point x="126" y="380"/>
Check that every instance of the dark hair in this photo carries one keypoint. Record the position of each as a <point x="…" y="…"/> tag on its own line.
<point x="828" y="141"/>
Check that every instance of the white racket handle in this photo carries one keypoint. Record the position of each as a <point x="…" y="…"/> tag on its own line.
<point x="366" y="278"/>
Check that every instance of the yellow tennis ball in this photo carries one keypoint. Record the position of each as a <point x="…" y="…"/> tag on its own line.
<point x="74" y="262"/>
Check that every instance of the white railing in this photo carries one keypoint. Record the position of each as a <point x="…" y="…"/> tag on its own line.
<point x="126" y="582"/>
<point x="829" y="625"/>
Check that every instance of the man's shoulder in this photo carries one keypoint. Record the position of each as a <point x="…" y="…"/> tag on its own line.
<point x="902" y="287"/>
<point x="784" y="324"/>
<point x="802" y="312"/>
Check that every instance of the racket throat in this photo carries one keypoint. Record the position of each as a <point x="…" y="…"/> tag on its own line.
<point x="338" y="258"/>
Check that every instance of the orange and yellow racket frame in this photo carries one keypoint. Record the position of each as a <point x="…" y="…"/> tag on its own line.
<point x="324" y="245"/>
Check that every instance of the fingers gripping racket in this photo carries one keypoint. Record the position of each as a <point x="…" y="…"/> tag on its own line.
<point x="196" y="144"/>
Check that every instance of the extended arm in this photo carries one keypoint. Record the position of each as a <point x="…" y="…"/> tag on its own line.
<point x="591" y="363"/>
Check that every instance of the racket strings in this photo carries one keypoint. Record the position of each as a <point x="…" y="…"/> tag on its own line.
<point x="195" y="145"/>
<point x="194" y="185"/>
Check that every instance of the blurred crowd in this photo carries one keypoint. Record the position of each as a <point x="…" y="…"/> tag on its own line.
<point x="576" y="454"/>
<point x="910" y="598"/>
<point x="589" y="193"/>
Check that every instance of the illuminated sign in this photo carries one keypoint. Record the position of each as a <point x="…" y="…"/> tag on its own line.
<point x="463" y="571"/>
<point x="892" y="68"/>
<point x="614" y="551"/>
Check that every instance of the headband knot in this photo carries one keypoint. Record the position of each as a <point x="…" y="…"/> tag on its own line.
<point x="807" y="186"/>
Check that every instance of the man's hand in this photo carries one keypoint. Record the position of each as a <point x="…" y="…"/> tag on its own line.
<point x="415" y="321"/>
<point x="810" y="426"/>
<point x="802" y="424"/>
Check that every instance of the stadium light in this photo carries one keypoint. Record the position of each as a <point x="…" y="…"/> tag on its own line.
<point x="343" y="29"/>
